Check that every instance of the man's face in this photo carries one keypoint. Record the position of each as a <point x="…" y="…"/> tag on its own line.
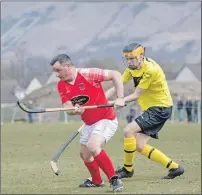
<point x="134" y="62"/>
<point x="64" y="73"/>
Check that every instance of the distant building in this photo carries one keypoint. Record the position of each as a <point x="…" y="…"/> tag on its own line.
<point x="188" y="74"/>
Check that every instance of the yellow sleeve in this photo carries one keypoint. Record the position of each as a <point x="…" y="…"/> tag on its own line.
<point x="146" y="79"/>
<point x="126" y="76"/>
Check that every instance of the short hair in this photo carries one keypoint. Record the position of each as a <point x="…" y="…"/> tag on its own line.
<point x="131" y="47"/>
<point x="61" y="58"/>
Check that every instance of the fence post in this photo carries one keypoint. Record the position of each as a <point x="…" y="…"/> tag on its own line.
<point x="173" y="114"/>
<point x="40" y="118"/>
<point x="14" y="115"/>
<point x="2" y="114"/>
<point x="65" y="117"/>
<point x="199" y="112"/>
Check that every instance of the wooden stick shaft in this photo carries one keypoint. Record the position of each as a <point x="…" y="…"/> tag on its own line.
<point x="67" y="109"/>
<point x="73" y="108"/>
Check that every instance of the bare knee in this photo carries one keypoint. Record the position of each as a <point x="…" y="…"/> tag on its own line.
<point x="85" y="155"/>
<point x="131" y="130"/>
<point x="93" y="148"/>
<point x="94" y="144"/>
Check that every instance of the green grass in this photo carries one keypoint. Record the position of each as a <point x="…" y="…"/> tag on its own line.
<point x="27" y="150"/>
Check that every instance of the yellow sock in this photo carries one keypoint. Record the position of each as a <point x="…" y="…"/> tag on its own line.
<point x="158" y="157"/>
<point x="129" y="153"/>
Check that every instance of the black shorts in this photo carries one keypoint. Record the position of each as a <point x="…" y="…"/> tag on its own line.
<point x="153" y="119"/>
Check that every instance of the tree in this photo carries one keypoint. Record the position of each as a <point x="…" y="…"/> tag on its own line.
<point x="18" y="64"/>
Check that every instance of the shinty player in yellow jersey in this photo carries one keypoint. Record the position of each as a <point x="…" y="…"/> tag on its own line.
<point x="153" y="96"/>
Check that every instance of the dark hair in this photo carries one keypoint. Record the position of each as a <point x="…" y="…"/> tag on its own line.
<point x="131" y="47"/>
<point x="61" y="58"/>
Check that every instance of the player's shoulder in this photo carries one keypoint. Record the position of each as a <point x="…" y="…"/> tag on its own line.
<point x="82" y="70"/>
<point x="94" y="72"/>
<point x="87" y="70"/>
<point x="151" y="66"/>
<point x="152" y="63"/>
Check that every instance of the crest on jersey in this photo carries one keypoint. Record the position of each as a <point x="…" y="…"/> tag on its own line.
<point x="81" y="86"/>
<point x="80" y="99"/>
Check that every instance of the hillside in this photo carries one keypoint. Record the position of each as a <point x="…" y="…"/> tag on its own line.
<point x="171" y="31"/>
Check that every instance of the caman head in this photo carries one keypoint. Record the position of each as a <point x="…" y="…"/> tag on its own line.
<point x="133" y="55"/>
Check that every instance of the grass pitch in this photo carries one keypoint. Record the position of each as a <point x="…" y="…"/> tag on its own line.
<point x="26" y="151"/>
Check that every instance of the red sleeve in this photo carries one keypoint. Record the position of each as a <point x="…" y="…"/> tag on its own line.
<point x="62" y="93"/>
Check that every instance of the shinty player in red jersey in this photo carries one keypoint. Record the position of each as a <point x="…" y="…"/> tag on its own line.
<point x="82" y="86"/>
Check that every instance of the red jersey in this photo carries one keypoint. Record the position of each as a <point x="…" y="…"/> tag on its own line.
<point x="87" y="90"/>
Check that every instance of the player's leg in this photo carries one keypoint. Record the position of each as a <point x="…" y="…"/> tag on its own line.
<point x="151" y="123"/>
<point x="100" y="134"/>
<point x="93" y="168"/>
<point x="157" y="156"/>
<point x="89" y="162"/>
<point x="130" y="132"/>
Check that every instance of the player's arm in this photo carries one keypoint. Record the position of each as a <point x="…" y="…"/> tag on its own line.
<point x="115" y="76"/>
<point x="125" y="77"/>
<point x="134" y="96"/>
<point x="142" y="86"/>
